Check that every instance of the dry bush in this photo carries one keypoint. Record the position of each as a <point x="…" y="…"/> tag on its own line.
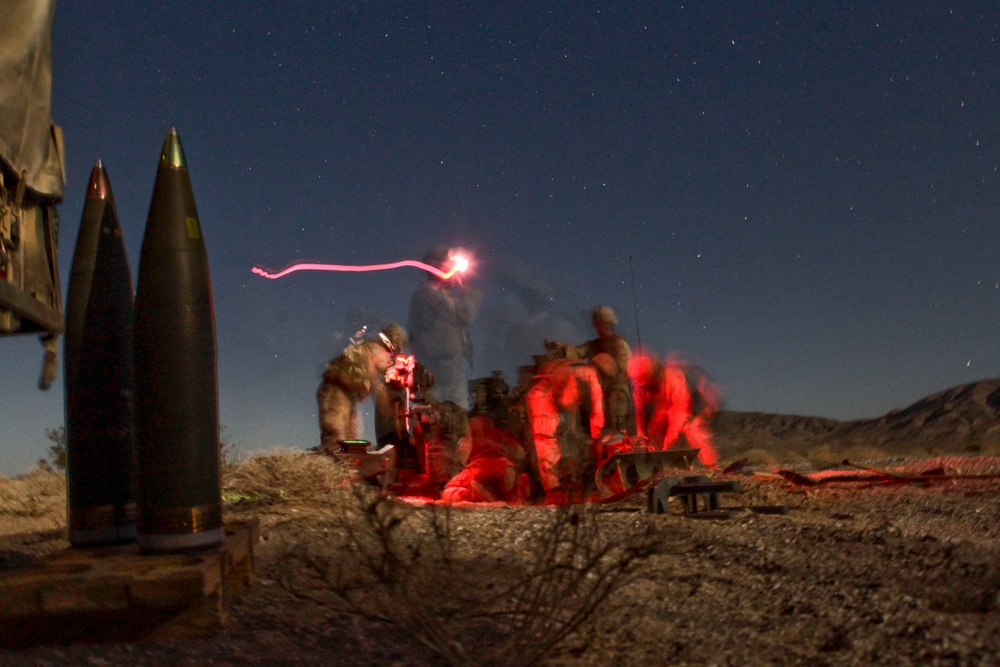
<point x="36" y="493"/>
<point x="820" y="455"/>
<point x="277" y="476"/>
<point x="990" y="448"/>
<point x="861" y="453"/>
<point x="757" y="456"/>
<point x="828" y="455"/>
<point x="764" y="456"/>
<point x="411" y="567"/>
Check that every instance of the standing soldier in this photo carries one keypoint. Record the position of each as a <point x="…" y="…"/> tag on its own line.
<point x="440" y="313"/>
<point x="349" y="379"/>
<point x="609" y="354"/>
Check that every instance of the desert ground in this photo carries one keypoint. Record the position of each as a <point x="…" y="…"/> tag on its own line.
<point x="855" y="568"/>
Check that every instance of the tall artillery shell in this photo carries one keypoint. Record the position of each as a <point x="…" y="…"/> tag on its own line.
<point x="100" y="421"/>
<point x="176" y="381"/>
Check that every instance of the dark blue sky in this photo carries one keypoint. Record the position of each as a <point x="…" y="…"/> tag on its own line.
<point x="808" y="191"/>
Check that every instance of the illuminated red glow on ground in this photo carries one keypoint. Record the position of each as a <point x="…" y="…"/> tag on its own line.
<point x="940" y="472"/>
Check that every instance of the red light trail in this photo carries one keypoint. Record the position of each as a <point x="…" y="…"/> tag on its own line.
<point x="459" y="265"/>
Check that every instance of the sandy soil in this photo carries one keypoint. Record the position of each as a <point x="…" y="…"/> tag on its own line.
<point x="854" y="572"/>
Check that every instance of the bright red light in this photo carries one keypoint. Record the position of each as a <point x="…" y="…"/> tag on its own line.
<point x="459" y="265"/>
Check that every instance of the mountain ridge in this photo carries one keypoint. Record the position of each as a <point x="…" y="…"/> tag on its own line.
<point x="964" y="419"/>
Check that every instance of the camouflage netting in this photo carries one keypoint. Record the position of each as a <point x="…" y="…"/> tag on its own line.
<point x="29" y="143"/>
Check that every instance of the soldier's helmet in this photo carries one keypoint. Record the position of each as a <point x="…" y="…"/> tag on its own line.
<point x="604" y="314"/>
<point x="395" y="338"/>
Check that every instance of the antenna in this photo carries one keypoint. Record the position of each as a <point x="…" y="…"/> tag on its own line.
<point x="635" y="305"/>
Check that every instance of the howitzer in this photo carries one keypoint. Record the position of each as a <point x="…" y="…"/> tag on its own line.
<point x="409" y="384"/>
<point x="399" y="460"/>
<point x="412" y="458"/>
<point x="630" y="469"/>
<point x="377" y="466"/>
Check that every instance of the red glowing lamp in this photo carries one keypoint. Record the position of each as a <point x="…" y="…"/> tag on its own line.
<point x="459" y="266"/>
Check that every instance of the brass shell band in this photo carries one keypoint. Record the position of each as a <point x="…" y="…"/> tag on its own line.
<point x="181" y="520"/>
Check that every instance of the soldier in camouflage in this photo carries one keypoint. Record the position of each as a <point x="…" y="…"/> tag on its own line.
<point x="609" y="353"/>
<point x="356" y="373"/>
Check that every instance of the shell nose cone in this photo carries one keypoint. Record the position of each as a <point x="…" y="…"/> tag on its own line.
<point x="99" y="187"/>
<point x="172" y="154"/>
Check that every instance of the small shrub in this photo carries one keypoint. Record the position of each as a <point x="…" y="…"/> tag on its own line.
<point x="277" y="476"/>
<point x="36" y="493"/>
<point x="406" y="565"/>
<point x="56" y="456"/>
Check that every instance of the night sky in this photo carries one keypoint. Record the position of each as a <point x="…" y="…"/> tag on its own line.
<point x="807" y="194"/>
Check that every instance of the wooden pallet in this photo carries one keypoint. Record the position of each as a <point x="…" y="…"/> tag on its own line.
<point x="116" y="594"/>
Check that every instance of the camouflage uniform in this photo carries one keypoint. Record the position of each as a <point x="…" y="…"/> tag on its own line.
<point x="349" y="379"/>
<point x="561" y="394"/>
<point x="667" y="414"/>
<point x="610" y="354"/>
<point x="494" y="469"/>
